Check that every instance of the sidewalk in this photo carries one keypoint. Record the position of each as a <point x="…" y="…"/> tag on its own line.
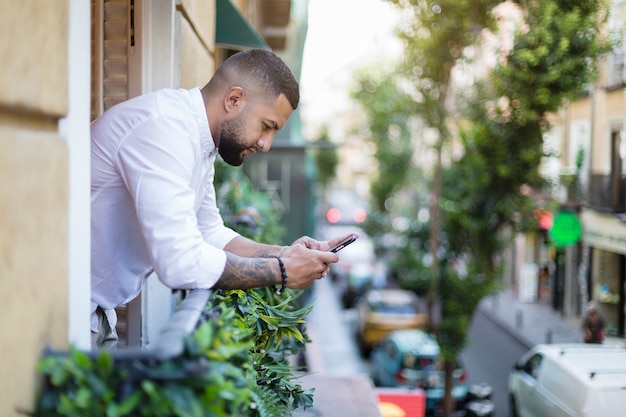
<point x="533" y="323"/>
<point x="333" y="351"/>
<point x="334" y="365"/>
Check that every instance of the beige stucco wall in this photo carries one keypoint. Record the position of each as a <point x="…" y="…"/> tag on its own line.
<point x="580" y="109"/>
<point x="34" y="74"/>
<point x="609" y="108"/>
<point x="615" y="107"/>
<point x="33" y="193"/>
<point x="197" y="57"/>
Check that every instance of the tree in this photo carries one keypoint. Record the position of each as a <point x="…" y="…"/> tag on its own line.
<point x="480" y="196"/>
<point x="553" y="58"/>
<point x="435" y="40"/>
<point x="390" y="129"/>
<point x="388" y="112"/>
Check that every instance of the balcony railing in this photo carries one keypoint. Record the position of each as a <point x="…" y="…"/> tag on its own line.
<point x="171" y="340"/>
<point x="607" y="193"/>
<point x="118" y="380"/>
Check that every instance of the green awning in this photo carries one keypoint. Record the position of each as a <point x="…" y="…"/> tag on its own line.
<point x="233" y="30"/>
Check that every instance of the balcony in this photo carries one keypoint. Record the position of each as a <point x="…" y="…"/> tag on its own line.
<point x="174" y="367"/>
<point x="607" y="193"/>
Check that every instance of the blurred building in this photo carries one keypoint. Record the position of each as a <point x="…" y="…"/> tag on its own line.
<point x="591" y="133"/>
<point x="589" y="177"/>
<point x="588" y="139"/>
<point x="333" y="54"/>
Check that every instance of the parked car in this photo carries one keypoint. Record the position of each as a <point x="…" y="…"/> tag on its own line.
<point x="381" y="311"/>
<point x="356" y="281"/>
<point x="410" y="359"/>
<point x="569" y="380"/>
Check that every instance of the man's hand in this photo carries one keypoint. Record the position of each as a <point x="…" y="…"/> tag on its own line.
<point x="321" y="245"/>
<point x="304" y="265"/>
<point x="250" y="265"/>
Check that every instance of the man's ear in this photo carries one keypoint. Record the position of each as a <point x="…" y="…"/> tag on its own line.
<point x="235" y="99"/>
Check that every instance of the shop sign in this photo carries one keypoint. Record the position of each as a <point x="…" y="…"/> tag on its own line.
<point x="401" y="402"/>
<point x="566" y="229"/>
<point x="604" y="231"/>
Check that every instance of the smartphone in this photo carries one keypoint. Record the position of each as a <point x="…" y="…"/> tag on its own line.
<point x="343" y="244"/>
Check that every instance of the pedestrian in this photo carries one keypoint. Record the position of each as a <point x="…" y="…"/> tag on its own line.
<point x="153" y="202"/>
<point x="593" y="325"/>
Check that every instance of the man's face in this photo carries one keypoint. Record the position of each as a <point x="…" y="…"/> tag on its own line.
<point x="233" y="145"/>
<point x="252" y="129"/>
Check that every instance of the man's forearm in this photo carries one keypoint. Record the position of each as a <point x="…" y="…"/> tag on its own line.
<point x="244" y="273"/>
<point x="245" y="247"/>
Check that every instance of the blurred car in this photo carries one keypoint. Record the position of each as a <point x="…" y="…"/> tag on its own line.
<point x="410" y="359"/>
<point x="357" y="280"/>
<point x="574" y="379"/>
<point x="381" y="311"/>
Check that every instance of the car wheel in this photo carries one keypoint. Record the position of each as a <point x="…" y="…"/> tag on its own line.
<point x="375" y="380"/>
<point x="482" y="391"/>
<point x="513" y="406"/>
<point x="479" y="408"/>
<point x="364" y="350"/>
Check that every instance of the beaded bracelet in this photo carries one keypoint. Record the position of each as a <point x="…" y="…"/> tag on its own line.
<point x="282" y="250"/>
<point x="283" y="274"/>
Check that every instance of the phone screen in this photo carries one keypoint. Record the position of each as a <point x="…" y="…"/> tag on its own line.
<point x="343" y="244"/>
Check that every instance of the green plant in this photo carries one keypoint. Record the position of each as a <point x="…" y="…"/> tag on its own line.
<point x="278" y="331"/>
<point x="234" y="363"/>
<point x="237" y="198"/>
<point x="211" y="377"/>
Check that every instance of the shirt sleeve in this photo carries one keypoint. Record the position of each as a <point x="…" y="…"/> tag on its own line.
<point x="156" y="162"/>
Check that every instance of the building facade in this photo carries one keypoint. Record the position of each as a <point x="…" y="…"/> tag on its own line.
<point x="64" y="63"/>
<point x="592" y="144"/>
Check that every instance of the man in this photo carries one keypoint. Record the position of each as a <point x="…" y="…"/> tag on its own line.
<point x="152" y="196"/>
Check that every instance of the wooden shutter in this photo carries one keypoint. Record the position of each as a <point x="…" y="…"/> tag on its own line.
<point x="112" y="36"/>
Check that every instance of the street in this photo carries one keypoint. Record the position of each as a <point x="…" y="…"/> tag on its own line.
<point x="489" y="356"/>
<point x="500" y="332"/>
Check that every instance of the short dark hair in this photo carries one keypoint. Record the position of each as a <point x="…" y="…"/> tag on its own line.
<point x="266" y="70"/>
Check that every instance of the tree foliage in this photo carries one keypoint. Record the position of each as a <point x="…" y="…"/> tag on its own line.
<point x="388" y="111"/>
<point x="482" y="199"/>
<point x="486" y="195"/>
<point x="326" y="158"/>
<point x="435" y="40"/>
<point x="553" y="58"/>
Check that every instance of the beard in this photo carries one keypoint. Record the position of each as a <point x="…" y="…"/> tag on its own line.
<point x="231" y="145"/>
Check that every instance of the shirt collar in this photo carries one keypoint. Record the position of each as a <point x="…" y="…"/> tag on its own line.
<point x="206" y="138"/>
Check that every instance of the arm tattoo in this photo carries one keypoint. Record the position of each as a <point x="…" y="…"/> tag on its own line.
<point x="266" y="253"/>
<point x="245" y="273"/>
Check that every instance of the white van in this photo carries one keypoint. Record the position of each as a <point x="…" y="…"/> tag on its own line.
<point x="559" y="380"/>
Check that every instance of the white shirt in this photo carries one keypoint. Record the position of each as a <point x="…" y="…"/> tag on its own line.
<point x="153" y="201"/>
